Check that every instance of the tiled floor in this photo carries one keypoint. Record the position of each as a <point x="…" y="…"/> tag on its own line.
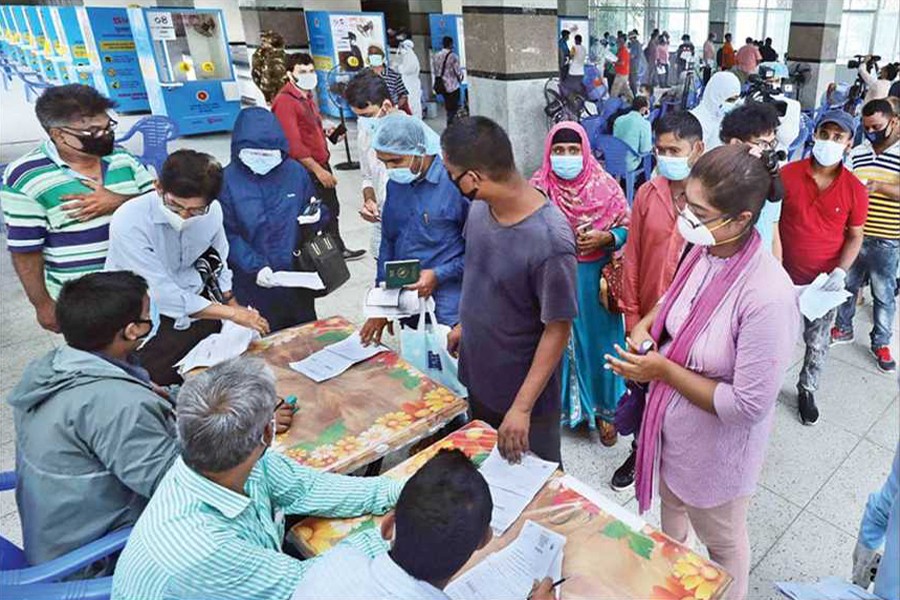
<point x="814" y="485"/>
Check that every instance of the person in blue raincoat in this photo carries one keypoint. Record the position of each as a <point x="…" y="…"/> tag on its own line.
<point x="263" y="193"/>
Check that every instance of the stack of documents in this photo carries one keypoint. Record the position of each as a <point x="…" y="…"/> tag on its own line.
<point x="333" y="360"/>
<point x="230" y="342"/>
<point x="391" y="304"/>
<point x="815" y="302"/>
<point x="510" y="573"/>
<point x="298" y="279"/>
<point x="830" y="588"/>
<point x="513" y="485"/>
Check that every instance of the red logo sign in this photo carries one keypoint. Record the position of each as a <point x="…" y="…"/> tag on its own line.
<point x="202" y="96"/>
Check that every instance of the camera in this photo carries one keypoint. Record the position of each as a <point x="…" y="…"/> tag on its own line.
<point x="858" y="60"/>
<point x="771" y="158"/>
<point x="761" y="90"/>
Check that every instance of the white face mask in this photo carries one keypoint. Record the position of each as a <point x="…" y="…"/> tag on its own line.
<point x="307" y="81"/>
<point x="376" y="60"/>
<point x="260" y="160"/>
<point x="176" y="221"/>
<point x="828" y="153"/>
<point x="695" y="231"/>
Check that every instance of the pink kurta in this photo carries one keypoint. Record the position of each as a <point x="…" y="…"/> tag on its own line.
<point x="709" y="459"/>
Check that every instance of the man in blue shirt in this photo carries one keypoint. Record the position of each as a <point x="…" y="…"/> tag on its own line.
<point x="634" y="129"/>
<point x="423" y="217"/>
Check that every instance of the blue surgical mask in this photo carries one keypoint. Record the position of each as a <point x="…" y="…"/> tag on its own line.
<point x="402" y="175"/>
<point x="260" y="160"/>
<point x="673" y="168"/>
<point x="376" y="60"/>
<point x="567" y="167"/>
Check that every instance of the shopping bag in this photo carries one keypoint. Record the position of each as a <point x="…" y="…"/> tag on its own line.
<point x="425" y="348"/>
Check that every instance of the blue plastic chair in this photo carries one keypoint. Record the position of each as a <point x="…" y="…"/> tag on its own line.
<point x="18" y="580"/>
<point x="615" y="155"/>
<point x="799" y="148"/>
<point x="156" y="133"/>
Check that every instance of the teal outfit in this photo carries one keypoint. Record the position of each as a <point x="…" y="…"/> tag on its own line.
<point x="634" y="129"/>
<point x="589" y="391"/>
<point x="767" y="222"/>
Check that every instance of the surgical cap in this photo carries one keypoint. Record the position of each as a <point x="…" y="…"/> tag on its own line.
<point x="399" y="133"/>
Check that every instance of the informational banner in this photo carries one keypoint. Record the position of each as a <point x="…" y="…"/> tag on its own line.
<point x="339" y="44"/>
<point x="118" y="60"/>
<point x="575" y="27"/>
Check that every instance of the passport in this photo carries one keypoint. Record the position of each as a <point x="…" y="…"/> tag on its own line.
<point x="398" y="273"/>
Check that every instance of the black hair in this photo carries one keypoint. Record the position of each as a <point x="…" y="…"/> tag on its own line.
<point x="447" y="42"/>
<point x="891" y="70"/>
<point x="685" y="37"/>
<point x="880" y="105"/>
<point x="681" y="123"/>
<point x="365" y="89"/>
<point x="749" y="40"/>
<point x="747" y="121"/>
<point x="639" y="102"/>
<point x="727" y="36"/>
<point x="61" y="104"/>
<point x="566" y="135"/>
<point x="297" y="58"/>
<point x="564" y="33"/>
<point x="578" y="38"/>
<point x="734" y="180"/>
<point x="768" y="41"/>
<point x="191" y="174"/>
<point x="442" y="516"/>
<point x="479" y="144"/>
<point x="711" y="36"/>
<point x="605" y="34"/>
<point x="92" y="309"/>
<point x="620" y="36"/>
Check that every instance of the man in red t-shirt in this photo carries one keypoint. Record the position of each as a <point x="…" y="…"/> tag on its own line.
<point x="620" y="87"/>
<point x="296" y="110"/>
<point x="822" y="218"/>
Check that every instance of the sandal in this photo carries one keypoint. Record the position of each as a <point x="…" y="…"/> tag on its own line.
<point x="608" y="434"/>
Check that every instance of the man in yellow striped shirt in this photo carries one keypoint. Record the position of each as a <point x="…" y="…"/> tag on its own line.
<point x="877" y="163"/>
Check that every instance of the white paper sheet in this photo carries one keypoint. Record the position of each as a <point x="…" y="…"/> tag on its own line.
<point x="815" y="302"/>
<point x="218" y="347"/>
<point x="392" y="304"/>
<point x="298" y="279"/>
<point x="509" y="573"/>
<point x="333" y="360"/>
<point x="513" y="485"/>
<point x="830" y="588"/>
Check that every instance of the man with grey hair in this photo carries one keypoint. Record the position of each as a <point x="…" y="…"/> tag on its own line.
<point x="57" y="199"/>
<point x="215" y="525"/>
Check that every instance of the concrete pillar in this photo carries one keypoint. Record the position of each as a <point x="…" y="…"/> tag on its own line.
<point x="718" y="20"/>
<point x="815" y="29"/>
<point x="510" y="54"/>
<point x="573" y="8"/>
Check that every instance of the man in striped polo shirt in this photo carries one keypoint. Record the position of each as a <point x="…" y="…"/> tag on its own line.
<point x="877" y="163"/>
<point x="58" y="199"/>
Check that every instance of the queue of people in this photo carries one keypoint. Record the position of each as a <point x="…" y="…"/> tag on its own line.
<point x="555" y="290"/>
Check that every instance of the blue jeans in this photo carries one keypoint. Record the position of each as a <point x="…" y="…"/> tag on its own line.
<point x="877" y="260"/>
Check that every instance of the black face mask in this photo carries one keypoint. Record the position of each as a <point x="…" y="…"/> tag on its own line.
<point x="96" y="146"/>
<point x="878" y="137"/>
<point x="470" y="195"/>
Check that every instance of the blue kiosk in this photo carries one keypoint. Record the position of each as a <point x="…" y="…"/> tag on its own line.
<point x="187" y="67"/>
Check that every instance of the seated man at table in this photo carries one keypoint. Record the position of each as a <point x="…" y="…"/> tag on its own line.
<point x="442" y="517"/>
<point x="215" y="525"/>
<point x="174" y="238"/>
<point x="423" y="218"/>
<point x="94" y="436"/>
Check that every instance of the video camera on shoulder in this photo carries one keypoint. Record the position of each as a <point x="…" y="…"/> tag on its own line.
<point x="858" y="59"/>
<point x="760" y="90"/>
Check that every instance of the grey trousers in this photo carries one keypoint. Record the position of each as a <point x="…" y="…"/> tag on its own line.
<point x="817" y="337"/>
<point x="543" y="435"/>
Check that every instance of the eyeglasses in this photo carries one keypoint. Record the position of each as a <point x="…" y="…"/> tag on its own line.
<point x="94" y="132"/>
<point x="192" y="212"/>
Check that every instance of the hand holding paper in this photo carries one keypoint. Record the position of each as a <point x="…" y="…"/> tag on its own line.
<point x="816" y="300"/>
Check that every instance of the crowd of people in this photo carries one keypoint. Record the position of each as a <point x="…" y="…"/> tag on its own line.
<point x="556" y="291"/>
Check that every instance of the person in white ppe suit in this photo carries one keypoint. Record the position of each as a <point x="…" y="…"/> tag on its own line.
<point x="409" y="69"/>
<point x="719" y="98"/>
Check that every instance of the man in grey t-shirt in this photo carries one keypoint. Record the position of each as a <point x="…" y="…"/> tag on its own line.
<point x="519" y="292"/>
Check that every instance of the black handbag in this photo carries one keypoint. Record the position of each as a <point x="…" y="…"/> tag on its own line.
<point x="323" y="255"/>
<point x="439" y="88"/>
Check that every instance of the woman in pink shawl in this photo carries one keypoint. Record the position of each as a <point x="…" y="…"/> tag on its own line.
<point x="596" y="208"/>
<point x="726" y="329"/>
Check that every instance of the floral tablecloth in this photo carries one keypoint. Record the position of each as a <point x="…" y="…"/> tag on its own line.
<point x="603" y="557"/>
<point x="359" y="416"/>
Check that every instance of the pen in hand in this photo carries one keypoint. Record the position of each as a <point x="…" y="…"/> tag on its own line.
<point x="552" y="587"/>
